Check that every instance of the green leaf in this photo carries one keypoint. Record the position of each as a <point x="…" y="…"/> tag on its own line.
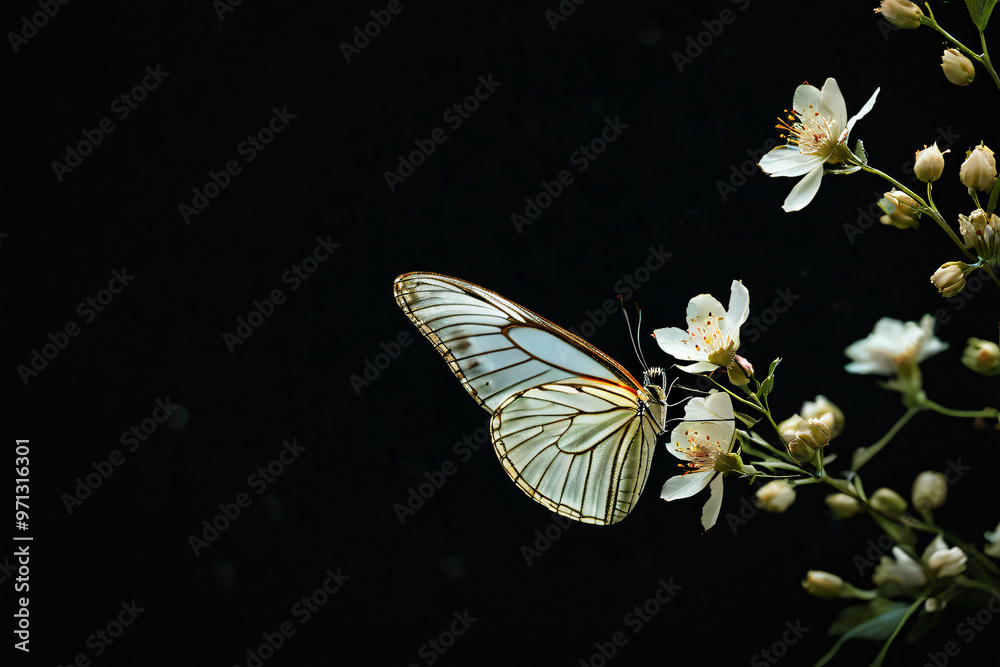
<point x="994" y="194"/>
<point x="774" y="365"/>
<point x="879" y="628"/>
<point x="846" y="170"/>
<point x="765" y="387"/>
<point x="749" y="421"/>
<point x="980" y="11"/>
<point x="985" y="16"/>
<point x="856" y="614"/>
<point x="859" y="151"/>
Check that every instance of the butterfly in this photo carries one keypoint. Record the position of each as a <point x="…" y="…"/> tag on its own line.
<point x="573" y="429"/>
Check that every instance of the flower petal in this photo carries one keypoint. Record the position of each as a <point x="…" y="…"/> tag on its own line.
<point x="806" y="97"/>
<point x="788" y="161"/>
<point x="710" y="513"/>
<point x="861" y="114"/>
<point x="703" y="306"/>
<point x="804" y="191"/>
<point x="680" y="344"/>
<point x="699" y="367"/>
<point x="685" y="486"/>
<point x="738" y="311"/>
<point x="832" y="105"/>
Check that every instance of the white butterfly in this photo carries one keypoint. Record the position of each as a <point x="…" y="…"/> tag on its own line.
<point x="572" y="428"/>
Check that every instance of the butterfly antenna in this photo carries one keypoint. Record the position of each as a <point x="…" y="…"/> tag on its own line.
<point x="638" y="331"/>
<point x="628" y="324"/>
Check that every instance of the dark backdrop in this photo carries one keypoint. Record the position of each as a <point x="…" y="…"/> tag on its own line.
<point x="694" y="93"/>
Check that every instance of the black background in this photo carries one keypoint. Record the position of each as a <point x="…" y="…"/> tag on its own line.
<point x="689" y="129"/>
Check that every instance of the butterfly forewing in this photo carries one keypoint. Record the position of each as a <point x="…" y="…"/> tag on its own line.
<point x="573" y="429"/>
<point x="494" y="346"/>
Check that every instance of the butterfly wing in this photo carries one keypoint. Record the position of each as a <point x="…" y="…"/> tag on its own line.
<point x="581" y="447"/>
<point x="495" y="347"/>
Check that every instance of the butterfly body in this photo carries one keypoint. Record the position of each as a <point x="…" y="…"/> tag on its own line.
<point x="572" y="428"/>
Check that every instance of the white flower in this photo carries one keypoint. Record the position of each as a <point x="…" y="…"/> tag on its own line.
<point x="713" y="334"/>
<point x="704" y="442"/>
<point x="902" y="570"/>
<point x="817" y="129"/>
<point x="942" y="561"/>
<point x="893" y="343"/>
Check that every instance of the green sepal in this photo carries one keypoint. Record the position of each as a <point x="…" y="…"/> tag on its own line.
<point x="728" y="463"/>
<point x="994" y="195"/>
<point x="859" y="152"/>
<point x="765" y="387"/>
<point x="747" y="420"/>
<point x="845" y="170"/>
<point x="768" y="383"/>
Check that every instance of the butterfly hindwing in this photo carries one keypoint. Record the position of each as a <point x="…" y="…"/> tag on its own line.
<point x="581" y="447"/>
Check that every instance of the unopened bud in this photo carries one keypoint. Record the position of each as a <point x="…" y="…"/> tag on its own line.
<point x="822" y="406"/>
<point x="929" y="163"/>
<point x="979" y="170"/>
<point x="982" y="356"/>
<point x="901" y="210"/>
<point x="930" y="489"/>
<point x="901" y="13"/>
<point x="888" y="501"/>
<point x="823" y="584"/>
<point x="950" y="278"/>
<point x="947" y="562"/>
<point x="843" y="505"/>
<point x="739" y="371"/>
<point x="775" y="496"/>
<point x="957" y="68"/>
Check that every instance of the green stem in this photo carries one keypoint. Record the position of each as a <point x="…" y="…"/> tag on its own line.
<point x="986" y="412"/>
<point x="865" y="454"/>
<point x="972" y="583"/>
<point x="931" y="211"/>
<point x="888" y="642"/>
<point x="774" y="451"/>
<point x="985" y="60"/>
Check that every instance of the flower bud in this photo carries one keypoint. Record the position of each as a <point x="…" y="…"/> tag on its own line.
<point x="843" y="505"/>
<point x="888" y="501"/>
<point x="950" y="278"/>
<point x="982" y="233"/>
<point x="901" y="13"/>
<point x="929" y="163"/>
<point x="932" y="605"/>
<point x="775" y="496"/>
<point x="739" y="371"/>
<point x="791" y="424"/>
<point x="979" y="170"/>
<point x="947" y="562"/>
<point x="819" y="408"/>
<point x="992" y="547"/>
<point x="930" y="489"/>
<point x="982" y="356"/>
<point x="810" y="435"/>
<point x="957" y="68"/>
<point x="901" y="210"/>
<point x="823" y="584"/>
